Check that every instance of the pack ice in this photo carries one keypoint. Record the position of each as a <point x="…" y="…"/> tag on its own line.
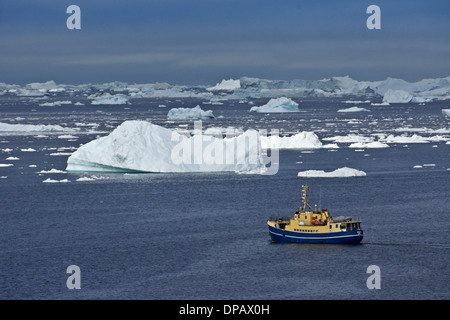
<point x="145" y="147"/>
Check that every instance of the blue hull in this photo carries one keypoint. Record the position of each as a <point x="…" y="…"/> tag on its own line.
<point x="281" y="235"/>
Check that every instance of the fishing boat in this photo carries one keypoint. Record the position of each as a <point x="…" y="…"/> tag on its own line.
<point x="312" y="225"/>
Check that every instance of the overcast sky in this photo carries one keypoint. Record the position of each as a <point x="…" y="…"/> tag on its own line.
<point x="205" y="41"/>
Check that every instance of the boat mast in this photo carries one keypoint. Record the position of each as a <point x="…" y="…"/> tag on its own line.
<point x="305" y="190"/>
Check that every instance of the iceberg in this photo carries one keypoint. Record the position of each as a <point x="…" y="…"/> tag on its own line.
<point x="368" y="145"/>
<point x="277" y="105"/>
<point x="397" y="96"/>
<point x="32" y="128"/>
<point x="55" y="104"/>
<point x="404" y="139"/>
<point x="446" y="112"/>
<point x="140" y="146"/>
<point x="229" y="85"/>
<point x="111" y="99"/>
<point x="301" y="140"/>
<point x="189" y="114"/>
<point x="344" y="172"/>
<point x="354" y="109"/>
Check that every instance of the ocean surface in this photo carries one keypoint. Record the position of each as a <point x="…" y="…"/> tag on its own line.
<point x="204" y="236"/>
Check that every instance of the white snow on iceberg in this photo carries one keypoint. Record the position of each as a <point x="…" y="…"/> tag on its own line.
<point x="189" y="114"/>
<point x="145" y="147"/>
<point x="277" y="105"/>
<point x="344" y="172"/>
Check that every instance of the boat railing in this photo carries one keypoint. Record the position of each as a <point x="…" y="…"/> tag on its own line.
<point x="279" y="218"/>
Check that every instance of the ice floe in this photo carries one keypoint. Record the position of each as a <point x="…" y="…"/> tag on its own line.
<point x="344" y="172"/>
<point x="33" y="128"/>
<point x="354" y="109"/>
<point x="111" y="99"/>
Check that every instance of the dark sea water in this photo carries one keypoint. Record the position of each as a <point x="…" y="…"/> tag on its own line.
<point x="204" y="236"/>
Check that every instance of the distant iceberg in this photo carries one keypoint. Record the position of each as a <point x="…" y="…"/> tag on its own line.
<point x="189" y="114"/>
<point x="301" y="140"/>
<point x="55" y="104"/>
<point x="368" y="145"/>
<point x="228" y="85"/>
<point x="354" y="109"/>
<point x="32" y="128"/>
<point x="111" y="99"/>
<point x="344" y="172"/>
<point x="277" y="105"/>
<point x="446" y="112"/>
<point x="397" y="96"/>
<point x="140" y="146"/>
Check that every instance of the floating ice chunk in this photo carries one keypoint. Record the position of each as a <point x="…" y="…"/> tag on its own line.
<point x="48" y="180"/>
<point x="404" y="139"/>
<point x="397" y="96"/>
<point x="6" y="165"/>
<point x="368" y="145"/>
<point x="7" y="127"/>
<point x="277" y="105"/>
<point x="67" y="136"/>
<point x="417" y="167"/>
<point x="28" y="150"/>
<point x="91" y="178"/>
<point x="302" y="140"/>
<point x="12" y="158"/>
<point x="145" y="147"/>
<point x="229" y="85"/>
<point x="380" y="104"/>
<point x="189" y="114"/>
<point x="344" y="172"/>
<point x="356" y="101"/>
<point x="446" y="112"/>
<point x="351" y="138"/>
<point x="55" y="104"/>
<point x="114" y="99"/>
<point x="52" y="171"/>
<point x="354" y="109"/>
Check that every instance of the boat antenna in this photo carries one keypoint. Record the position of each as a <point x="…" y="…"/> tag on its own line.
<point x="320" y="197"/>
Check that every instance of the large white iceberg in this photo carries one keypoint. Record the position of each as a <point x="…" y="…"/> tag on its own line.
<point x="397" y="96"/>
<point x="145" y="147"/>
<point x="277" y="105"/>
<point x="189" y="114"/>
<point x="228" y="85"/>
<point x="344" y="172"/>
